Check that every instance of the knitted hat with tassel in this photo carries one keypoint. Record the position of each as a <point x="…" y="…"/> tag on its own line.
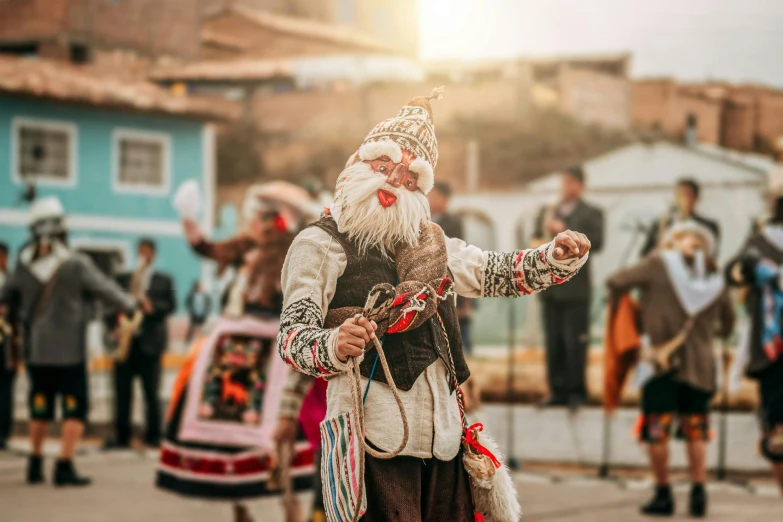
<point x="412" y="129"/>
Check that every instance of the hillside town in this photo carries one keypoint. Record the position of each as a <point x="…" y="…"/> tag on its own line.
<point x="175" y="205"/>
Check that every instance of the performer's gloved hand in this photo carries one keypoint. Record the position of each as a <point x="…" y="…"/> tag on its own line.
<point x="352" y="337"/>
<point x="570" y="244"/>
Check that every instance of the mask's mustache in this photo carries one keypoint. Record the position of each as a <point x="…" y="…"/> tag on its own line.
<point x="376" y="214"/>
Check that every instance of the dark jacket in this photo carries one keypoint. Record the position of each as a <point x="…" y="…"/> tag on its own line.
<point x="655" y="229"/>
<point x="57" y="337"/>
<point x="588" y="220"/>
<point x="153" y="335"/>
<point x="408" y="353"/>
<point x="451" y="225"/>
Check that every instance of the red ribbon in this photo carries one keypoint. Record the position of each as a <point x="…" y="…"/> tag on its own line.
<point x="476" y="445"/>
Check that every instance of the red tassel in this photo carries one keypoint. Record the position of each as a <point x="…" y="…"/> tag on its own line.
<point x="470" y="440"/>
<point x="478" y="517"/>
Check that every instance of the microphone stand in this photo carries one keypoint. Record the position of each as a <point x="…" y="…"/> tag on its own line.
<point x="513" y="462"/>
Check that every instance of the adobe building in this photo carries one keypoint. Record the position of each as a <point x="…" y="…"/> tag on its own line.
<point x="121" y="36"/>
<point x="740" y="117"/>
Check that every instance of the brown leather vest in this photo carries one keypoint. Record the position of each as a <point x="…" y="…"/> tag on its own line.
<point x="408" y="353"/>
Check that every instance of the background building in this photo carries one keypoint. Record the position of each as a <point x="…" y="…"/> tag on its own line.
<point x="113" y="153"/>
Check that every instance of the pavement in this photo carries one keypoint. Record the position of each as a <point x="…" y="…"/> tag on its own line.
<point x="123" y="491"/>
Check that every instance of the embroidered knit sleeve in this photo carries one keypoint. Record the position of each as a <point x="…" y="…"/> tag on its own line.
<point x="496" y="274"/>
<point x="314" y="263"/>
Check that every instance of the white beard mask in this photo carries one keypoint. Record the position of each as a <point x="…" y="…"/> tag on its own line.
<point x="360" y="215"/>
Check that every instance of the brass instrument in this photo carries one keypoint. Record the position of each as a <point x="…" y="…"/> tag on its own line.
<point x="128" y="326"/>
<point x="126" y="330"/>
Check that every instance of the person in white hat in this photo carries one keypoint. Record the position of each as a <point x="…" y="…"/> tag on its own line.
<point x="684" y="304"/>
<point x="379" y="232"/>
<point x="50" y="292"/>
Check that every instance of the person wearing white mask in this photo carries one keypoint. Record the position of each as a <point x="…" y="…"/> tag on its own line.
<point x="50" y="291"/>
<point x="683" y="297"/>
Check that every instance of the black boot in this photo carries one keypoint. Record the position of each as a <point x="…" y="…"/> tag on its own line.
<point x="35" y="469"/>
<point x="698" y="501"/>
<point x="662" y="504"/>
<point x="65" y="475"/>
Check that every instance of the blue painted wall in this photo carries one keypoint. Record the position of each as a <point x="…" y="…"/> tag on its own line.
<point x="93" y="194"/>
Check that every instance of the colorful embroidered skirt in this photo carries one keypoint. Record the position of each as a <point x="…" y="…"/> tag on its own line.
<point x="217" y="443"/>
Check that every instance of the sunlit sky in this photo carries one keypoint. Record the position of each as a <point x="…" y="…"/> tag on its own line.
<point x="736" y="40"/>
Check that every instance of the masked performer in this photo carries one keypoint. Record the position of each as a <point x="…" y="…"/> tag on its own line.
<point x="759" y="267"/>
<point x="219" y="439"/>
<point x="379" y="231"/>
<point x="682" y="299"/>
<point x="50" y="293"/>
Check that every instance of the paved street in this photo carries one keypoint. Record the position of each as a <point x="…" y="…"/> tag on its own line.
<point x="123" y="492"/>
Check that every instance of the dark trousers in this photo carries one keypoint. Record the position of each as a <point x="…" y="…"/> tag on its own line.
<point x="408" y="489"/>
<point x="147" y="368"/>
<point x="567" y="331"/>
<point x="7" y="378"/>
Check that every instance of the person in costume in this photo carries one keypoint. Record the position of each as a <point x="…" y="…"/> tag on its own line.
<point x="683" y="297"/>
<point x="219" y="439"/>
<point x="50" y="292"/>
<point x="758" y="268"/>
<point x="379" y="231"/>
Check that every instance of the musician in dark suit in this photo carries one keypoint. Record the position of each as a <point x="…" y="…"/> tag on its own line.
<point x="686" y="197"/>
<point x="566" y="307"/>
<point x="155" y="291"/>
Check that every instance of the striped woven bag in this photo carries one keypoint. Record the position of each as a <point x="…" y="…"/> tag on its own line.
<point x="343" y="448"/>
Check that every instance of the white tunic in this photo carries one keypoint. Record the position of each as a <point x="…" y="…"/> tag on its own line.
<point x="315" y="262"/>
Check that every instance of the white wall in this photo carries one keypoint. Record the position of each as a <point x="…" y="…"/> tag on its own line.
<point x="633" y="186"/>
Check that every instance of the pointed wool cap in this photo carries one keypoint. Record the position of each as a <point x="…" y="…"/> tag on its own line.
<point x="412" y="129"/>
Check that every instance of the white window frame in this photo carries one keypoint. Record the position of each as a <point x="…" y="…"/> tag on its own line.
<point x="164" y="139"/>
<point x="55" y="125"/>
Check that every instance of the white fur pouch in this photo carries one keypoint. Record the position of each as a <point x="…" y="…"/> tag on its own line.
<point x="494" y="494"/>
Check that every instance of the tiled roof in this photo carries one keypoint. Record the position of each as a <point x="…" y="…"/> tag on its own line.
<point x="304" y="28"/>
<point x="68" y="83"/>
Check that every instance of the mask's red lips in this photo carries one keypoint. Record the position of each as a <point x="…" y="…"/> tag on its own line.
<point x="386" y="198"/>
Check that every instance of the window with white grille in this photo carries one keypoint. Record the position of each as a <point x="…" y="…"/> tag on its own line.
<point x="44" y="151"/>
<point x="141" y="161"/>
